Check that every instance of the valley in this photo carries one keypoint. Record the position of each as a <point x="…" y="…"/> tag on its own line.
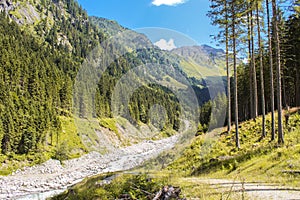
<point x="90" y="109"/>
<point x="53" y="175"/>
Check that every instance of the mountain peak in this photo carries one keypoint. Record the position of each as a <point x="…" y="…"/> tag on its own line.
<point x="200" y="54"/>
<point x="212" y="49"/>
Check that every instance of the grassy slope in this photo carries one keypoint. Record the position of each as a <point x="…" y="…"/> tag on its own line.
<point x="216" y="156"/>
<point x="138" y="186"/>
<point x="69" y="145"/>
<point x="195" y="70"/>
<point x="213" y="156"/>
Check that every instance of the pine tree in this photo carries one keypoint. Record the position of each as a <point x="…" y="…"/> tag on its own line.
<point x="270" y="48"/>
<point x="249" y="37"/>
<point x="260" y="45"/>
<point x="219" y="15"/>
<point x="253" y="63"/>
<point x="227" y="68"/>
<point x="234" y="4"/>
<point x="278" y="71"/>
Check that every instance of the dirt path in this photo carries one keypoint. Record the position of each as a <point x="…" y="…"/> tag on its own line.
<point x="253" y="191"/>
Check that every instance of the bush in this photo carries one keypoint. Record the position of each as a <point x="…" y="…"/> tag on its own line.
<point x="109" y="123"/>
<point x="201" y="129"/>
<point x="62" y="152"/>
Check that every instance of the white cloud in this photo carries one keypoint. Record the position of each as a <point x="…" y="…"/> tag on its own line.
<point x="165" y="45"/>
<point x="168" y="2"/>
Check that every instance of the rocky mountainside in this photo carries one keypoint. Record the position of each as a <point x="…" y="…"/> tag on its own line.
<point x="22" y="14"/>
<point x="110" y="27"/>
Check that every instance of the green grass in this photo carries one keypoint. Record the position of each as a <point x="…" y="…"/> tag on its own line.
<point x="167" y="133"/>
<point x="110" y="123"/>
<point x="69" y="145"/>
<point x="12" y="162"/>
<point x="264" y="160"/>
<point x="143" y="185"/>
<point x="69" y="140"/>
<point x="211" y="155"/>
<point x="86" y="129"/>
<point x="137" y="186"/>
<point x="195" y="70"/>
<point x="170" y="81"/>
<point x="16" y="14"/>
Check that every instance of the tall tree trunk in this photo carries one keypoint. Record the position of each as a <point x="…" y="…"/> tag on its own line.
<point x="271" y="72"/>
<point x="297" y="88"/>
<point x="228" y="70"/>
<point x="250" y="65"/>
<point x="255" y="111"/>
<point x="237" y="141"/>
<point x="278" y="72"/>
<point x="263" y="107"/>
<point x="284" y="96"/>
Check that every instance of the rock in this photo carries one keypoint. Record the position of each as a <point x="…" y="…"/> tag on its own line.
<point x="6" y="6"/>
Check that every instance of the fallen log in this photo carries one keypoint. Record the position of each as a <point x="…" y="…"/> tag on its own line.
<point x="290" y="111"/>
<point x="168" y="193"/>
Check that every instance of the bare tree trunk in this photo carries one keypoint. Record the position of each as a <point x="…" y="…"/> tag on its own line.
<point x="278" y="72"/>
<point x="228" y="71"/>
<point x="253" y="65"/>
<point x="250" y="65"/>
<point x="263" y="107"/>
<point x="237" y="141"/>
<point x="297" y="88"/>
<point x="271" y="72"/>
<point x="284" y="96"/>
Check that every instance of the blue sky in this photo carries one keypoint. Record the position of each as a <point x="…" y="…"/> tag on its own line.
<point x="185" y="16"/>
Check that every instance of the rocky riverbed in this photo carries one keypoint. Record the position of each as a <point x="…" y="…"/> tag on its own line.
<point x="56" y="176"/>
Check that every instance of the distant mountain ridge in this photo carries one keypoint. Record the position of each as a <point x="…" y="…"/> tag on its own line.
<point x="205" y="59"/>
<point x="203" y="55"/>
<point x="202" y="61"/>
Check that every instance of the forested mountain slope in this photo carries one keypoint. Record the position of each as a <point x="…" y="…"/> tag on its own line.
<point x="39" y="58"/>
<point x="44" y="46"/>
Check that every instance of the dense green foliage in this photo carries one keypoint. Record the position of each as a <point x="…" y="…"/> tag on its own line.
<point x="39" y="65"/>
<point x="290" y="72"/>
<point x="29" y="90"/>
<point x="269" y="79"/>
<point x="124" y="185"/>
<point x="37" y="74"/>
<point x="291" y="56"/>
<point x="211" y="113"/>
<point x="109" y="27"/>
<point x="145" y="98"/>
